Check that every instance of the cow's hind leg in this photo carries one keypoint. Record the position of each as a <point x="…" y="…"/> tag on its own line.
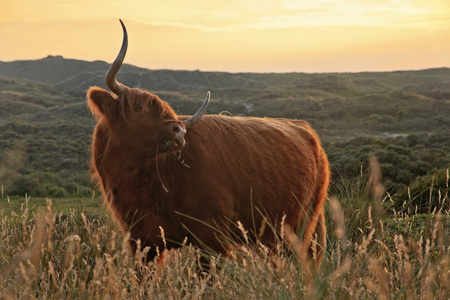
<point x="320" y="244"/>
<point x="315" y="239"/>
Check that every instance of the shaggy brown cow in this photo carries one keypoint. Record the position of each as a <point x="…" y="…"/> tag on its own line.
<point x="195" y="177"/>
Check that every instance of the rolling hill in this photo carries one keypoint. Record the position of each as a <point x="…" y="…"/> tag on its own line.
<point x="402" y="117"/>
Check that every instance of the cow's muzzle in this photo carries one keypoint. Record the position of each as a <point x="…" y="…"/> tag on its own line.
<point x="179" y="134"/>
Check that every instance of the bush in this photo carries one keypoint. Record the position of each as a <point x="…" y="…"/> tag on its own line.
<point x="426" y="194"/>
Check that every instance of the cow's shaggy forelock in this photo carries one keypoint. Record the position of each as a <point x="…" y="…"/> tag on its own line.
<point x="115" y="106"/>
<point x="150" y="103"/>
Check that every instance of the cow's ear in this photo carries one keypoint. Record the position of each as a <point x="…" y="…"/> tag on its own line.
<point x="101" y="102"/>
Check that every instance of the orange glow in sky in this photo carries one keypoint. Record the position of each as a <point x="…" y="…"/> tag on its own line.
<point x="234" y="35"/>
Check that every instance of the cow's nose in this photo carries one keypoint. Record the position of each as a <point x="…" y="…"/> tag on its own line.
<point x="179" y="133"/>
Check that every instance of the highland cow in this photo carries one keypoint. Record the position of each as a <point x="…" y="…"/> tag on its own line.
<point x="197" y="177"/>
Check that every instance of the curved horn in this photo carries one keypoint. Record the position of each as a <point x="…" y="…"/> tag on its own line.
<point x="111" y="81"/>
<point x="198" y="115"/>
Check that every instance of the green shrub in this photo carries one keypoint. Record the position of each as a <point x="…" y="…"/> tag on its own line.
<point x="426" y="194"/>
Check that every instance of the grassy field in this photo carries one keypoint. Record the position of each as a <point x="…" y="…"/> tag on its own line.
<point x="384" y="241"/>
<point x="71" y="248"/>
<point x="90" y="206"/>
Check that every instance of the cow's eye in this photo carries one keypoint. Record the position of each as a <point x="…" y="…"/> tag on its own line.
<point x="139" y="106"/>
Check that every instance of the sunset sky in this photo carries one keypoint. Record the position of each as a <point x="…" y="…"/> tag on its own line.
<point x="234" y="35"/>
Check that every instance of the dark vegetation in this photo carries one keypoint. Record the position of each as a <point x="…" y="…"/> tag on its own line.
<point x="401" y="117"/>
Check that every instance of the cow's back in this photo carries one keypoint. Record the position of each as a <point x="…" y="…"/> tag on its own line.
<point x="241" y="169"/>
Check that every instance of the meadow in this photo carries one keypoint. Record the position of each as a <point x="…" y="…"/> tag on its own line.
<point x="387" y="222"/>
<point x="52" y="250"/>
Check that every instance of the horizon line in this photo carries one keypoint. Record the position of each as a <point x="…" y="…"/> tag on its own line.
<point x="57" y="56"/>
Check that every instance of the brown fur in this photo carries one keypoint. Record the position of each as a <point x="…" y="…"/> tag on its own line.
<point x="230" y="169"/>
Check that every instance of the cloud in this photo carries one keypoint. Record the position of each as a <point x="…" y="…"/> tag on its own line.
<point x="247" y="14"/>
<point x="385" y="13"/>
<point x="221" y="15"/>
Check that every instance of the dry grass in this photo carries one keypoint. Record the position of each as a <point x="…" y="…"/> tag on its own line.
<point x="48" y="255"/>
